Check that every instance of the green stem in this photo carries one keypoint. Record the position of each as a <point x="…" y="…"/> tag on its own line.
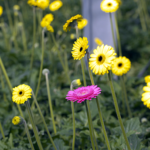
<point x="118" y="36"/>
<point x="41" y="67"/>
<point x="126" y="98"/>
<point x="99" y="108"/>
<point x="83" y="73"/>
<point x="38" y="107"/>
<point x="28" y="135"/>
<point x="50" y="103"/>
<point x="74" y="128"/>
<point x="123" y="101"/>
<point x="112" y="30"/>
<point x="34" y="37"/>
<point x="9" y="84"/>
<point x="2" y="132"/>
<point x="15" y="33"/>
<point x="118" y="112"/>
<point x="33" y="125"/>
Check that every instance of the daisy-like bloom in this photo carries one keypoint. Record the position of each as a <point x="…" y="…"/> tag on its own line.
<point x="47" y="20"/>
<point x="79" y="48"/>
<point x="42" y="4"/>
<point x="16" y="120"/>
<point x="21" y="94"/>
<point x="50" y="28"/>
<point x="121" y="65"/>
<point x="98" y="41"/>
<point x="72" y="22"/>
<point x="101" y="61"/>
<point x="109" y="6"/>
<point x="147" y="79"/>
<point x="32" y="2"/>
<point x="82" y="23"/>
<point x="1" y="10"/>
<point x="83" y="93"/>
<point x="55" y="5"/>
<point x="146" y="96"/>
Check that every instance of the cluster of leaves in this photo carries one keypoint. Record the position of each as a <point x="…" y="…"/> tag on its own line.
<point x="135" y="45"/>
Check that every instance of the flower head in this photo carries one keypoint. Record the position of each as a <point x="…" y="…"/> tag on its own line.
<point x="79" y="48"/>
<point x="146" y="96"/>
<point x="98" y="41"/>
<point x="82" y="23"/>
<point x="16" y="7"/>
<point x="47" y="19"/>
<point x="76" y="82"/>
<point x="55" y="5"/>
<point x="72" y="22"/>
<point x="50" y="28"/>
<point x="147" y="79"/>
<point x="42" y="3"/>
<point x="1" y="10"/>
<point x="32" y="2"/>
<point x="16" y="120"/>
<point x="109" y="6"/>
<point x="83" y="93"/>
<point x="101" y="61"/>
<point x="21" y="93"/>
<point x="121" y="65"/>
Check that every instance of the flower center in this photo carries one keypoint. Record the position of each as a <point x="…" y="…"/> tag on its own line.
<point x="109" y="4"/>
<point x="120" y="65"/>
<point x="21" y="93"/>
<point x="81" y="49"/>
<point x="100" y="59"/>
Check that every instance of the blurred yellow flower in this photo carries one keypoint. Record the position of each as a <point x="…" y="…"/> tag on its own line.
<point x="50" y="28"/>
<point x="1" y="10"/>
<point x="16" y="120"/>
<point x="147" y="79"/>
<point x="119" y="2"/>
<point x="79" y="48"/>
<point x="109" y="6"/>
<point x="146" y="96"/>
<point x="98" y="41"/>
<point x="121" y="65"/>
<point x="72" y="36"/>
<point x="72" y="22"/>
<point x="47" y="20"/>
<point x="42" y="3"/>
<point x="21" y="94"/>
<point x="82" y="23"/>
<point x="32" y="2"/>
<point x="76" y="82"/>
<point x="16" y="7"/>
<point x="55" y="5"/>
<point x="102" y="59"/>
<point x="59" y="32"/>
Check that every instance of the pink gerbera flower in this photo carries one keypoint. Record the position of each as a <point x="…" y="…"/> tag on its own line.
<point x="83" y="93"/>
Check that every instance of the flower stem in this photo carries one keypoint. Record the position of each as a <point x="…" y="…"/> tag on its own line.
<point x="34" y="37"/>
<point x="38" y="107"/>
<point x="99" y="108"/>
<point x="74" y="128"/>
<point x="118" y="36"/>
<point x="126" y="98"/>
<point x="112" y="29"/>
<point x="2" y="132"/>
<point x="9" y="84"/>
<point x="50" y="103"/>
<point x="118" y="112"/>
<point x="33" y="125"/>
<point x="28" y="135"/>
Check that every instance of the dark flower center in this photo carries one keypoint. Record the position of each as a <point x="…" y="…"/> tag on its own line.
<point x="100" y="58"/>
<point x="109" y="4"/>
<point x="81" y="49"/>
<point x="20" y="92"/>
<point x="120" y="65"/>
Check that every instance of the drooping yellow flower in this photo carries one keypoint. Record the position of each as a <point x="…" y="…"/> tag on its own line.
<point x="16" y="120"/>
<point x="42" y="4"/>
<point x="98" y="41"/>
<point x="72" y="22"/>
<point x="32" y="2"/>
<point x="55" y="5"/>
<point x="16" y="7"/>
<point x="50" y="28"/>
<point x="109" y="6"/>
<point x="121" y="65"/>
<point x="47" y="20"/>
<point x="79" y="48"/>
<point x="101" y="61"/>
<point x="1" y="10"/>
<point x="21" y="94"/>
<point x="82" y="23"/>
<point x="147" y="79"/>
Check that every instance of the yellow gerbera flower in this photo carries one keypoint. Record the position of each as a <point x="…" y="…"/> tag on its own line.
<point x="82" y="23"/>
<point x="21" y="93"/>
<point x="147" y="79"/>
<point x="79" y="48"/>
<point x="50" y="28"/>
<point x="121" y="65"/>
<point x="16" y="120"/>
<point x="101" y="61"/>
<point x="55" y="5"/>
<point x="1" y="10"/>
<point x="32" y="2"/>
<point x="109" y="6"/>
<point x="72" y="22"/>
<point x="47" y="20"/>
<point x="146" y="96"/>
<point x="42" y="3"/>
<point x="98" y="41"/>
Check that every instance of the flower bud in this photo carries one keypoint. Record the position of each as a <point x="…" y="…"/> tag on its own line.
<point x="45" y="71"/>
<point x="17" y="120"/>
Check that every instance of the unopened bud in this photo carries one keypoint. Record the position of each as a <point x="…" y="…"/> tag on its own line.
<point x="45" y="71"/>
